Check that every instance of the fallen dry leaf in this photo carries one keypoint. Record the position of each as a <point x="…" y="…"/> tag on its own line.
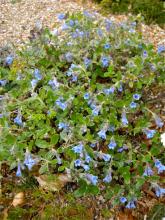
<point x="53" y="183"/>
<point x="125" y="216"/>
<point x="18" y="199"/>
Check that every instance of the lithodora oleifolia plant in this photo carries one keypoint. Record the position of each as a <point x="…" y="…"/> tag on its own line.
<point x="73" y="101"/>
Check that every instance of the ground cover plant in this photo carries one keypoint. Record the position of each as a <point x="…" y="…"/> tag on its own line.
<point x="151" y="10"/>
<point x="73" y="102"/>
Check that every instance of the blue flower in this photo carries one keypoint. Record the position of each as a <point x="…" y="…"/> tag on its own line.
<point x="74" y="78"/>
<point x="77" y="163"/>
<point x="62" y="125"/>
<point x="62" y="105"/>
<point x="145" y="54"/>
<point x="71" y="23"/>
<point x="34" y="83"/>
<point x="86" y="96"/>
<point x="159" y="166"/>
<point x="121" y="149"/>
<point x="131" y="205"/>
<point x="159" y="191"/>
<point x="124" y="119"/>
<point x="93" y="145"/>
<point x="37" y="74"/>
<point x="107" y="46"/>
<point x="3" y="82"/>
<point x="149" y="133"/>
<point x="96" y="111"/>
<point x="99" y="32"/>
<point x="87" y="14"/>
<point x="106" y="157"/>
<point x="158" y="121"/>
<point x="29" y="161"/>
<point x="18" y="120"/>
<point x="136" y="96"/>
<point x="148" y="171"/>
<point x="93" y="179"/>
<point x="87" y="62"/>
<point x="105" y="61"/>
<point x="133" y="105"/>
<point x="112" y="144"/>
<point x="64" y="27"/>
<point x="102" y="134"/>
<point x="161" y="48"/>
<point x="109" y="91"/>
<point x="78" y="149"/>
<point x="120" y="88"/>
<point x="53" y="83"/>
<point x="108" y="178"/>
<point x="86" y="167"/>
<point x="61" y="16"/>
<point x="87" y="158"/>
<point x="123" y="199"/>
<point x="108" y="25"/>
<point x="69" y="57"/>
<point x="9" y="60"/>
<point x="18" y="172"/>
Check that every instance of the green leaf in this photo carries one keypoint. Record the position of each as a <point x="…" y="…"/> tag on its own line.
<point x="42" y="143"/>
<point x="54" y="139"/>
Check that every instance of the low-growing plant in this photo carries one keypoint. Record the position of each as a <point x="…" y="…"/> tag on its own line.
<point x="151" y="10"/>
<point x="73" y="101"/>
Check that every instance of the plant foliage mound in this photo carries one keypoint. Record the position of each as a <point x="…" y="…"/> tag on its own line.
<point x="151" y="10"/>
<point x="73" y="101"/>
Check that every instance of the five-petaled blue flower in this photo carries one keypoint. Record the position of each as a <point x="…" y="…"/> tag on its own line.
<point x="159" y="191"/>
<point x="136" y="96"/>
<point x="159" y="166"/>
<point x="96" y="111"/>
<point x="149" y="133"/>
<point x="9" y="60"/>
<point x="131" y="205"/>
<point x="123" y="199"/>
<point x="87" y="158"/>
<point x="37" y="74"/>
<point x="77" y="163"/>
<point x="87" y="62"/>
<point x="106" y="157"/>
<point x="158" y="121"/>
<point x="3" y="82"/>
<point x="69" y="57"/>
<point x="18" y="120"/>
<point x="108" y="178"/>
<point x="62" y="125"/>
<point x="124" y="119"/>
<point x="92" y="179"/>
<point x="60" y="104"/>
<point x="112" y="144"/>
<point x="107" y="46"/>
<point x="29" y="161"/>
<point x="78" y="149"/>
<point x="161" y="48"/>
<point x="86" y="167"/>
<point x="102" y="134"/>
<point x="145" y="54"/>
<point x="86" y="96"/>
<point x="133" y="105"/>
<point x="61" y="16"/>
<point x="34" y="83"/>
<point x="148" y="171"/>
<point x="105" y="61"/>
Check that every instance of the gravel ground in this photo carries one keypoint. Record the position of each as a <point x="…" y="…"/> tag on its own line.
<point x="18" y="17"/>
